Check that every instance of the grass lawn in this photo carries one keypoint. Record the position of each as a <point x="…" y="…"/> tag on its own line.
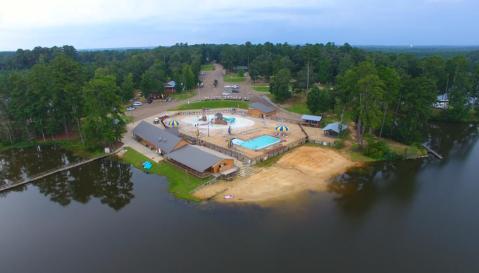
<point x="300" y="108"/>
<point x="233" y="78"/>
<point x="214" y="104"/>
<point x="183" y="95"/>
<point x="180" y="183"/>
<point x="207" y="67"/>
<point x="261" y="87"/>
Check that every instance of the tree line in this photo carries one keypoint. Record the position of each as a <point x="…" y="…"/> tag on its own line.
<point x="49" y="91"/>
<point x="46" y="92"/>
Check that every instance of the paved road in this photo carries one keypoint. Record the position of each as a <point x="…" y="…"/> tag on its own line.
<point x="246" y="90"/>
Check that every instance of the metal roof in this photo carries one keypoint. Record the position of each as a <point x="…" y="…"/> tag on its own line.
<point x="170" y="84"/>
<point x="335" y="127"/>
<point x="311" y="118"/>
<point x="263" y="108"/>
<point x="442" y="97"/>
<point x="162" y="138"/>
<point x="196" y="157"/>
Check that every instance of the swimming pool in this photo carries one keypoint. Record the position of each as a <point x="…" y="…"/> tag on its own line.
<point x="257" y="143"/>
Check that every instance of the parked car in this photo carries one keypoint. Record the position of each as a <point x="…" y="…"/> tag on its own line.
<point x="130" y="108"/>
<point x="137" y="103"/>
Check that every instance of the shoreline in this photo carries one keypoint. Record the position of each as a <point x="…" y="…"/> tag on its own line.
<point x="303" y="169"/>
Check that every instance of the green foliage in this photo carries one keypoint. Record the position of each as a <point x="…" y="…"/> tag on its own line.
<point x="127" y="87"/>
<point x="207" y="67"/>
<point x="264" y="88"/>
<point x="319" y="101"/>
<point x="234" y="78"/>
<point x="104" y="122"/>
<point x="414" y="110"/>
<point x="279" y="85"/>
<point x="153" y="80"/>
<point x="378" y="149"/>
<point x="362" y="91"/>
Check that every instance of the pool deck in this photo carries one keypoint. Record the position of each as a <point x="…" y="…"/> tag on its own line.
<point x="261" y="127"/>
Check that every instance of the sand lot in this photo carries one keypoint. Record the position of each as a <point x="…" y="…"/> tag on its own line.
<point x="303" y="169"/>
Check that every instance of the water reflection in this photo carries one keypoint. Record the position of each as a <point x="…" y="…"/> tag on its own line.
<point x="107" y="180"/>
<point x="18" y="164"/>
<point x="360" y="189"/>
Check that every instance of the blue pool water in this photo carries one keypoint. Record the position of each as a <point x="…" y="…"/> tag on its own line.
<point x="229" y="119"/>
<point x="257" y="143"/>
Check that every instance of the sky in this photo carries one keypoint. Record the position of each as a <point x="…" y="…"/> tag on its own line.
<point x="88" y="24"/>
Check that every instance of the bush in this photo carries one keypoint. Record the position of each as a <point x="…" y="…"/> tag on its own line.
<point x="378" y="149"/>
<point x="338" y="144"/>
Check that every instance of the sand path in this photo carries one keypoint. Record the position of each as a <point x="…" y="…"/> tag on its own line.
<point x="303" y="169"/>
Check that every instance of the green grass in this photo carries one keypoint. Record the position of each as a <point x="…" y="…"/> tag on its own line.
<point x="183" y="95"/>
<point x="180" y="183"/>
<point x="261" y="87"/>
<point x="208" y="67"/>
<point x="214" y="104"/>
<point x="298" y="107"/>
<point x="233" y="78"/>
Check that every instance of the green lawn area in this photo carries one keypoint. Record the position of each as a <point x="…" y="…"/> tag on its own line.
<point x="183" y="95"/>
<point x="233" y="78"/>
<point x="298" y="107"/>
<point x="214" y="104"/>
<point x="181" y="184"/>
<point x="207" y="67"/>
<point x="261" y="87"/>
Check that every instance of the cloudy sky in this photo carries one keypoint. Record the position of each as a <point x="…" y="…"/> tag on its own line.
<point x="136" y="23"/>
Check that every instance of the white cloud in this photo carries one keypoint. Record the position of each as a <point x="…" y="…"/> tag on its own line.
<point x="30" y="14"/>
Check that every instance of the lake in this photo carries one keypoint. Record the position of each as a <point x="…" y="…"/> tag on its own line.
<point x="405" y="216"/>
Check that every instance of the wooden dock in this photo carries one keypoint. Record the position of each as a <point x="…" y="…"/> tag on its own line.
<point x="11" y="185"/>
<point x="431" y="151"/>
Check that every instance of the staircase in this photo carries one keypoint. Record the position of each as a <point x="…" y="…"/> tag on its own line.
<point x="246" y="169"/>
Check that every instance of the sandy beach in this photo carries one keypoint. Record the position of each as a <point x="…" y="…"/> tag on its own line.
<point x="306" y="168"/>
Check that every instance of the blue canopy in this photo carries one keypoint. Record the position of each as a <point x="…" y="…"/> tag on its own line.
<point x="147" y="165"/>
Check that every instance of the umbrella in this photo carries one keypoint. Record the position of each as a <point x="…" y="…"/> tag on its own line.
<point x="147" y="165"/>
<point x="173" y="123"/>
<point x="281" y="128"/>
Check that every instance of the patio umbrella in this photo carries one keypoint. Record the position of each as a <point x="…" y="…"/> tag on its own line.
<point x="281" y="128"/>
<point x="173" y="123"/>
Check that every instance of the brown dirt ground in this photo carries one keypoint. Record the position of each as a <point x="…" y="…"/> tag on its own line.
<point x="303" y="169"/>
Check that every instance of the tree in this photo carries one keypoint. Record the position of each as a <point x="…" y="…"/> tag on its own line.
<point x="392" y="83"/>
<point x="362" y="91"/>
<point x="104" y="122"/>
<point x="279" y="85"/>
<point x="460" y="88"/>
<point x="127" y="87"/>
<point x="414" y="111"/>
<point x="318" y="101"/>
<point x="153" y="80"/>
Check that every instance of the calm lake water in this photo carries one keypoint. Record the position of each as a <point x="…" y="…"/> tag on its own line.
<point x="408" y="216"/>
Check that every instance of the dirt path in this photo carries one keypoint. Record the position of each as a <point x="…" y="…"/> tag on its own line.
<point x="305" y="168"/>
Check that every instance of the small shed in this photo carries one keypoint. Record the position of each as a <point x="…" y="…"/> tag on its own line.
<point x="201" y="161"/>
<point x="311" y="120"/>
<point x="161" y="140"/>
<point x="259" y="110"/>
<point x="170" y="87"/>
<point x="334" y="129"/>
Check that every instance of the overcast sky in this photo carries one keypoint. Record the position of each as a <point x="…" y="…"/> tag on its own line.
<point x="137" y="23"/>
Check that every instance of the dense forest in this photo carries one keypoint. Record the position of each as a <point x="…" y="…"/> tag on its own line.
<point x="45" y="92"/>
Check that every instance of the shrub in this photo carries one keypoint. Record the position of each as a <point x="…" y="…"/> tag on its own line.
<point x="378" y="149"/>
